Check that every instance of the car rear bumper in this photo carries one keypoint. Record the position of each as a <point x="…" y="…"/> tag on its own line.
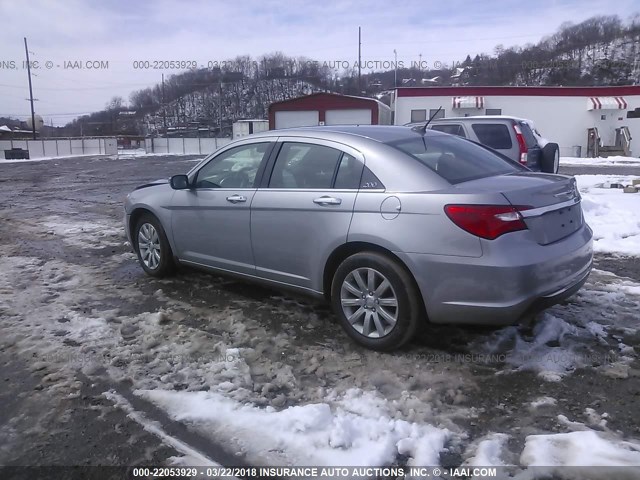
<point x="514" y="277"/>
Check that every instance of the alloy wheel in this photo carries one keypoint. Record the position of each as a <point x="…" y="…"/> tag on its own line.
<point x="149" y="245"/>
<point x="369" y="302"/>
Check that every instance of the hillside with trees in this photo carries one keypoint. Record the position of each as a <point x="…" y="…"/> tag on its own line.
<point x="602" y="50"/>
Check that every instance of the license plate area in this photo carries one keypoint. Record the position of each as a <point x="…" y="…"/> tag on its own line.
<point x="555" y="225"/>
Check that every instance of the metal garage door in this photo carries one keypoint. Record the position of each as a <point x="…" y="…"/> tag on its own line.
<point x="304" y="118"/>
<point x="360" y="116"/>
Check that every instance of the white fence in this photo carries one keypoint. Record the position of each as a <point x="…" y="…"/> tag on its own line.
<point x="194" y="146"/>
<point x="62" y="147"/>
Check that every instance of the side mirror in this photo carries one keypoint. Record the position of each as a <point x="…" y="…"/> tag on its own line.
<point x="179" y="182"/>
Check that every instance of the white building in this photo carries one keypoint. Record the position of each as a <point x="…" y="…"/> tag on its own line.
<point x="568" y="116"/>
<point x="242" y="128"/>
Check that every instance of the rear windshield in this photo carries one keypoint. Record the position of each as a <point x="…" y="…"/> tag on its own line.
<point x="455" y="159"/>
<point x="494" y="135"/>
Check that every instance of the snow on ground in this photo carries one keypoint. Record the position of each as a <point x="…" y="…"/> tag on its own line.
<point x="543" y="401"/>
<point x="190" y="457"/>
<point x="488" y="451"/>
<point x="122" y="154"/>
<point x="89" y="234"/>
<point x="584" y="448"/>
<point x="538" y="351"/>
<point x="356" y="430"/>
<point x="45" y="159"/>
<point x="613" y="215"/>
<point x="229" y="376"/>
<point x="160" y="353"/>
<point x="568" y="337"/>
<point x="140" y="152"/>
<point x="600" y="161"/>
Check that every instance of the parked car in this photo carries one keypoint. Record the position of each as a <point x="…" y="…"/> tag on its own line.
<point x="516" y="138"/>
<point x="392" y="226"/>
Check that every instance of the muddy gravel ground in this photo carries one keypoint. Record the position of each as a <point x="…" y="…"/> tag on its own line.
<point x="83" y="327"/>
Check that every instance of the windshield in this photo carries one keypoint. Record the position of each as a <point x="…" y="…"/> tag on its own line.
<point x="455" y="159"/>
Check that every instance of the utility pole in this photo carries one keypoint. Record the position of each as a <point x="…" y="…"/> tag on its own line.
<point x="33" y="114"/>
<point x="164" y="108"/>
<point x="395" y="68"/>
<point x="220" y="104"/>
<point x="359" y="59"/>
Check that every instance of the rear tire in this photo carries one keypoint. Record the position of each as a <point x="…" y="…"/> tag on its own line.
<point x="376" y="301"/>
<point x="550" y="158"/>
<point x="153" y="249"/>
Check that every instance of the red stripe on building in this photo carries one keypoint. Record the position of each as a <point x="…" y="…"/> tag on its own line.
<point x="519" y="91"/>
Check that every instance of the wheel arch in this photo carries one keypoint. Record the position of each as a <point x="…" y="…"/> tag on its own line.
<point x="135" y="215"/>
<point x="350" y="248"/>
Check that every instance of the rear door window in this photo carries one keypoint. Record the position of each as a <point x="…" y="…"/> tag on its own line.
<point x="349" y="173"/>
<point x="305" y="165"/>
<point x="451" y="129"/>
<point x="494" y="135"/>
<point x="370" y="181"/>
<point x="454" y="159"/>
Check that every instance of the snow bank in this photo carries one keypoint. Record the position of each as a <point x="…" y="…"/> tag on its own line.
<point x="354" y="430"/>
<point x="578" y="449"/>
<point x="599" y="161"/>
<point x="488" y="451"/>
<point x="613" y="215"/>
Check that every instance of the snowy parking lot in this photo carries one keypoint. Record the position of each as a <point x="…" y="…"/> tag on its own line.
<point x="199" y="369"/>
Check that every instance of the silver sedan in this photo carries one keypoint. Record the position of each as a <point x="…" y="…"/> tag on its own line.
<point x="393" y="226"/>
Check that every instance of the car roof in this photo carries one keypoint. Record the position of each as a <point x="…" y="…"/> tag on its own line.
<point x="481" y="117"/>
<point x="343" y="133"/>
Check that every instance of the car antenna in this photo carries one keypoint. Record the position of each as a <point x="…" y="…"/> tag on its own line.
<point x="423" y="129"/>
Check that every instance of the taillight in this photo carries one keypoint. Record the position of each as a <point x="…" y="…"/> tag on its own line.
<point x="522" y="144"/>
<point x="487" y="221"/>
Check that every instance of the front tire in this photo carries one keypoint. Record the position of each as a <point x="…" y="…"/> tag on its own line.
<point x="152" y="247"/>
<point x="376" y="301"/>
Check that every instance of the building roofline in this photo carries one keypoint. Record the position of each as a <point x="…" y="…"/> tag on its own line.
<point x="333" y="94"/>
<point x="609" y="91"/>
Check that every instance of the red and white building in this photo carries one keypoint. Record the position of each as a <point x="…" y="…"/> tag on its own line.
<point x="565" y="115"/>
<point x="328" y="109"/>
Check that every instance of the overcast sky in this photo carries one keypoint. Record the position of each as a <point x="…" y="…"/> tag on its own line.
<point x="120" y="32"/>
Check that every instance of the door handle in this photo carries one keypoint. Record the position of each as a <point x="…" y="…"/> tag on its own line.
<point x="236" y="199"/>
<point x="326" y="200"/>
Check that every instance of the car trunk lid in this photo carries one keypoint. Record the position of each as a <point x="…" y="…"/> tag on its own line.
<point x="549" y="204"/>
